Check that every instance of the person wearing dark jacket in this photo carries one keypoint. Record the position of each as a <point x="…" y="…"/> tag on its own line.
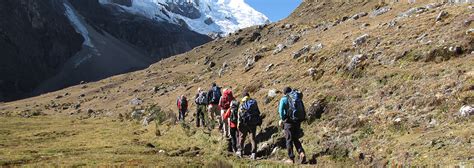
<point x="182" y="103"/>
<point x="213" y="97"/>
<point x="292" y="129"/>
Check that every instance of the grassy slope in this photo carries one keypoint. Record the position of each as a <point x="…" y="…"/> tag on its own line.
<point x="417" y="92"/>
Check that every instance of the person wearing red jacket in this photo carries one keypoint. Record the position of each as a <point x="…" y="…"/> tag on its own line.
<point x="224" y="105"/>
<point x="232" y="116"/>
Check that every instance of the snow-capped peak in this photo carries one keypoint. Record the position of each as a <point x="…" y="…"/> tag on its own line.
<point x="202" y="16"/>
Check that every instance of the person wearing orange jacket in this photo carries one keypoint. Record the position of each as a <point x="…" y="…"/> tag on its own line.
<point x="232" y="115"/>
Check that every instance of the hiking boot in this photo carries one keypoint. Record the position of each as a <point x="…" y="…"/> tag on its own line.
<point x="289" y="161"/>
<point x="253" y="156"/>
<point x="302" y="158"/>
<point x="239" y="154"/>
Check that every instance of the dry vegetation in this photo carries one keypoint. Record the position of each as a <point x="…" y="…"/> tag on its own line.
<point x="398" y="106"/>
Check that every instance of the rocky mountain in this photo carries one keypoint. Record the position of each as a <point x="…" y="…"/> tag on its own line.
<point x="385" y="84"/>
<point x="52" y="44"/>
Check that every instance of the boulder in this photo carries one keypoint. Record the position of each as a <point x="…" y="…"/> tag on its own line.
<point x="272" y="93"/>
<point x="380" y="11"/>
<point x="360" y="40"/>
<point x="137" y="114"/>
<point x="316" y="47"/>
<point x="279" y="48"/>
<point x="412" y="11"/>
<point x="292" y="39"/>
<point x="466" y="110"/>
<point x="359" y="15"/>
<point x="311" y="71"/>
<point x="300" y="52"/>
<point x="316" y="109"/>
<point x="136" y="101"/>
<point x="355" y="60"/>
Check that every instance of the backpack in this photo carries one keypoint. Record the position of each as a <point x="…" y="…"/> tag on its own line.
<point x="226" y="100"/>
<point x="183" y="103"/>
<point x="202" y="98"/>
<point x="296" y="110"/>
<point x="234" y="111"/>
<point x="216" y="95"/>
<point x="250" y="114"/>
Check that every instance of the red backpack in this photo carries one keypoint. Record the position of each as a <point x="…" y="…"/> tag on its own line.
<point x="227" y="99"/>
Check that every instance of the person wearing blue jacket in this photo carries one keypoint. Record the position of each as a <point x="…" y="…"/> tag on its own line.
<point x="292" y="128"/>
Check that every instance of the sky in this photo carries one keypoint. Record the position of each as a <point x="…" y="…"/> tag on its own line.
<point x="275" y="10"/>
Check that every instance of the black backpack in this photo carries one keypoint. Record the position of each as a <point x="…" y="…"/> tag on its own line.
<point x="215" y="95"/>
<point x="234" y="111"/>
<point x="250" y="114"/>
<point x="296" y="110"/>
<point x="183" y="103"/>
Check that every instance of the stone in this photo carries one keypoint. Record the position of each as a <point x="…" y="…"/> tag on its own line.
<point x="58" y="97"/>
<point x="441" y="15"/>
<point x="136" y="101"/>
<point x="470" y="32"/>
<point x="292" y="39"/>
<point x="272" y="93"/>
<point x="360" y="40"/>
<point x="288" y="26"/>
<point x="137" y="114"/>
<point x="301" y="52"/>
<point x="456" y="49"/>
<point x="466" y="111"/>
<point x="359" y="15"/>
<point x="316" y="47"/>
<point x="412" y="11"/>
<point x="316" y="109"/>
<point x="380" y="11"/>
<point x="279" y="48"/>
<point x="311" y="71"/>
<point x="269" y="67"/>
<point x="212" y="64"/>
<point x="355" y="60"/>
<point x="433" y="5"/>
<point x="398" y="120"/>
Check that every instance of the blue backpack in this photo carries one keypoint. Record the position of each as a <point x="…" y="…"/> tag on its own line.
<point x="250" y="114"/>
<point x="216" y="95"/>
<point x="296" y="110"/>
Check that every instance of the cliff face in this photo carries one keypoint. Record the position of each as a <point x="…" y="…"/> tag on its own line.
<point x="35" y="40"/>
<point x="42" y="48"/>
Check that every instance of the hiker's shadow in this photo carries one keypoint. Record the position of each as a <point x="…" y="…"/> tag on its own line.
<point x="270" y="137"/>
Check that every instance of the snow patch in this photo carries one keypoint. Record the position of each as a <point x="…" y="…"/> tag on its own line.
<point x="78" y="25"/>
<point x="227" y="15"/>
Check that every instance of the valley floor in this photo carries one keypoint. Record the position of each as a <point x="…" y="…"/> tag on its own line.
<point x="70" y="141"/>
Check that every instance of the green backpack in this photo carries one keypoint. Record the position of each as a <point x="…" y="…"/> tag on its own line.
<point x="234" y="111"/>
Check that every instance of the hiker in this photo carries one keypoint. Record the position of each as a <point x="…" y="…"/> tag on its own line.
<point x="182" y="103"/>
<point x="224" y="105"/>
<point x="292" y="113"/>
<point x="249" y="119"/>
<point x="201" y="103"/>
<point x="232" y="114"/>
<point x="213" y="97"/>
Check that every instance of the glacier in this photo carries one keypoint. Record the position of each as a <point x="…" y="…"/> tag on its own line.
<point x="77" y="24"/>
<point x="202" y="16"/>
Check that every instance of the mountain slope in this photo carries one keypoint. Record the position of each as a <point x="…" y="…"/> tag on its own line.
<point x="388" y="98"/>
<point x="54" y="44"/>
